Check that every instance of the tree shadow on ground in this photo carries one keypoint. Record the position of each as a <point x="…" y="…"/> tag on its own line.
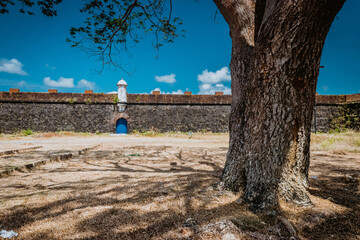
<point x="148" y="201"/>
<point x="132" y="207"/>
<point x="340" y="185"/>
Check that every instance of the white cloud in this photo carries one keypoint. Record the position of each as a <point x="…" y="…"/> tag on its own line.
<point x="61" y="82"/>
<point x="21" y="83"/>
<point x="210" y="89"/>
<point x="12" y="66"/>
<point x="157" y="89"/>
<point x="83" y="83"/>
<point x="210" y="82"/>
<point x="113" y="92"/>
<point x="12" y="83"/>
<point x="205" y="87"/>
<point x="179" y="91"/>
<point x="166" y="78"/>
<point x="325" y="88"/>
<point x="221" y="75"/>
<point x="68" y="83"/>
<point x="51" y="68"/>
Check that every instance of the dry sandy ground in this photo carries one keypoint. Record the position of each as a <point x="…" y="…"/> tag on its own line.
<point x="136" y="187"/>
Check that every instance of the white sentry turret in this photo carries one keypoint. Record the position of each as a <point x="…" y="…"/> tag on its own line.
<point x="122" y="95"/>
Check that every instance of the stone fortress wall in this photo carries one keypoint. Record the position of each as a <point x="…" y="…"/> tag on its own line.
<point x="95" y="112"/>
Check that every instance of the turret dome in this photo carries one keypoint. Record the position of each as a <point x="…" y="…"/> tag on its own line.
<point x="122" y="83"/>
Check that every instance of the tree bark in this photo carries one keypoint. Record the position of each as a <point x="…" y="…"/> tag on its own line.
<point x="275" y="63"/>
<point x="242" y="36"/>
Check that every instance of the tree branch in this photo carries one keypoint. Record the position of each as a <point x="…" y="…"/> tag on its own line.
<point x="240" y="16"/>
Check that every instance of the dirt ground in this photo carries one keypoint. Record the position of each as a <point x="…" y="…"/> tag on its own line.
<point x="160" y="187"/>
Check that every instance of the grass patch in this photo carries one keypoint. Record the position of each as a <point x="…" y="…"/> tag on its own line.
<point x="328" y="143"/>
<point x="348" y="141"/>
<point x="204" y="130"/>
<point x="27" y="132"/>
<point x="151" y="133"/>
<point x="354" y="151"/>
<point x="32" y="133"/>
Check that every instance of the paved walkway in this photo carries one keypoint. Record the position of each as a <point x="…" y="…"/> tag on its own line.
<point x="80" y="142"/>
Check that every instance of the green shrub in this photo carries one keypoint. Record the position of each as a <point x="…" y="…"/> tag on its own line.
<point x="115" y="99"/>
<point x="27" y="132"/>
<point x="71" y="101"/>
<point x="348" y="120"/>
<point x="151" y="133"/>
<point x="88" y="101"/>
<point x="148" y="133"/>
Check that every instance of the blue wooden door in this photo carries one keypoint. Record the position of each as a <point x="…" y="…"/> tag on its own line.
<point x="121" y="126"/>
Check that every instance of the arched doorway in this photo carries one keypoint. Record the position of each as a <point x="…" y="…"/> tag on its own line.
<point x="121" y="126"/>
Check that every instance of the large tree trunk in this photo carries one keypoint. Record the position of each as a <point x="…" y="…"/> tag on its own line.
<point x="275" y="62"/>
<point x="242" y="36"/>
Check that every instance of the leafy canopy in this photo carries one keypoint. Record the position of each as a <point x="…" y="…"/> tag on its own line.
<point x="46" y="6"/>
<point x="111" y="25"/>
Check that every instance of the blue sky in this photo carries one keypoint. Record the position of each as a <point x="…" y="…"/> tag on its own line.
<point x="35" y="57"/>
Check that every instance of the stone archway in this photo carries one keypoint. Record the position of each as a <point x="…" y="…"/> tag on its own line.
<point x="120" y="116"/>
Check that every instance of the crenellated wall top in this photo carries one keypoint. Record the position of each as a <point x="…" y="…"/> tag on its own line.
<point x="100" y="98"/>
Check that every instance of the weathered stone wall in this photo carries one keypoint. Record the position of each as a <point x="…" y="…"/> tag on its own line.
<point x="183" y="118"/>
<point x="97" y="112"/>
<point x="325" y="114"/>
<point x="353" y="111"/>
<point x="337" y="117"/>
<point x="47" y="117"/>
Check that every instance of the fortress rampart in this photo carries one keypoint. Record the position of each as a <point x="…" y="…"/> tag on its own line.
<point x="95" y="112"/>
